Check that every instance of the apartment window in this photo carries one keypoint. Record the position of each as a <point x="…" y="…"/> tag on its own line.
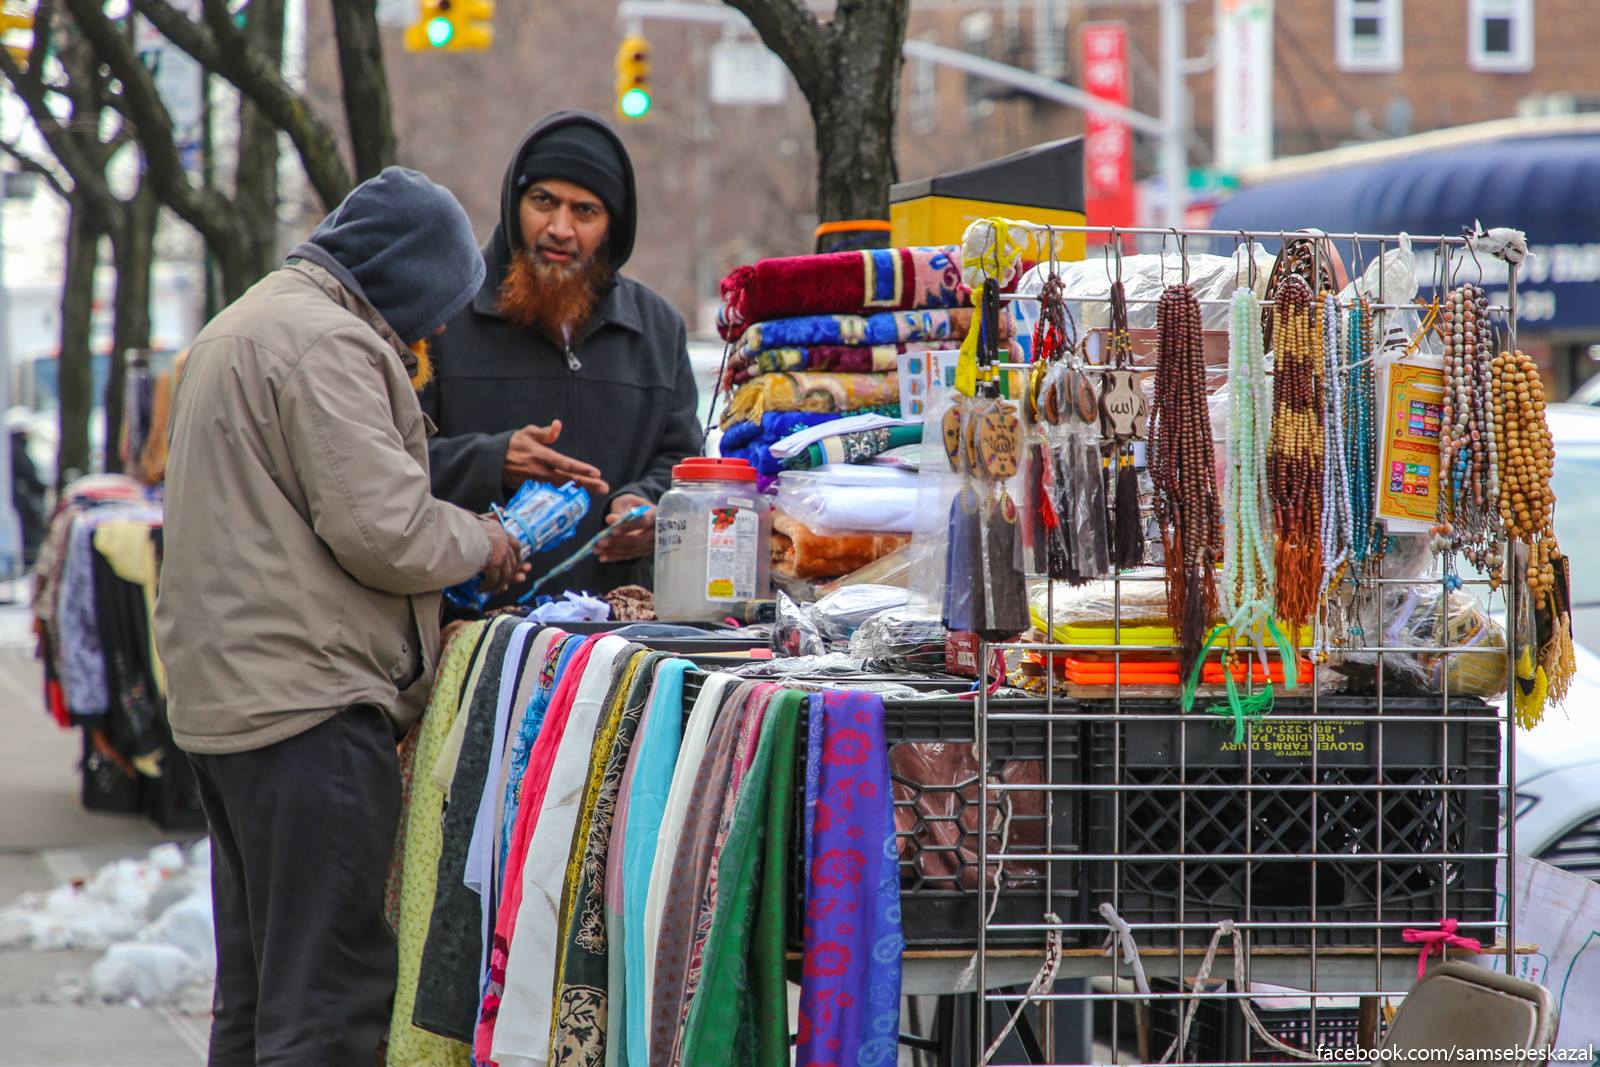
<point x="1500" y="35"/>
<point x="1367" y="35"/>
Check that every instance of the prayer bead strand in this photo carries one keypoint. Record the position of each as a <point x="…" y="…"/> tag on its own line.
<point x="1295" y="456"/>
<point x="1182" y="468"/>
<point x="1247" y="572"/>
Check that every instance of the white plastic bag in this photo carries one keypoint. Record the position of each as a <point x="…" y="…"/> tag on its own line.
<point x="150" y="973"/>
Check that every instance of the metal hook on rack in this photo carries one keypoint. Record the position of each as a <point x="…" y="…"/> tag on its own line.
<point x="1183" y="256"/>
<point x="1472" y="247"/>
<point x="1164" y="261"/>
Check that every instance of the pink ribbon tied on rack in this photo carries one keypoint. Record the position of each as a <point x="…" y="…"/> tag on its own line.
<point x="1432" y="940"/>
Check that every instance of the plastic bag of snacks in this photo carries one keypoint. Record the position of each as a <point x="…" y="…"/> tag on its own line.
<point x="1412" y="618"/>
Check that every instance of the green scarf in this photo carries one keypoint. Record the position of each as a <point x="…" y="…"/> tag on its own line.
<point x="727" y="1023"/>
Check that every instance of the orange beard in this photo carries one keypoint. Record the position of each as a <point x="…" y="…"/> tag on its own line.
<point x="424" y="372"/>
<point x="555" y="297"/>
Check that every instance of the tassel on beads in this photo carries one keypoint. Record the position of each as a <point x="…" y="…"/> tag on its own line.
<point x="1197" y="616"/>
<point x="1128" y="546"/>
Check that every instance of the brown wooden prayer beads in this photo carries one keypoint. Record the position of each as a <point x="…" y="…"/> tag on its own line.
<point x="1182" y="466"/>
<point x="1526" y="456"/>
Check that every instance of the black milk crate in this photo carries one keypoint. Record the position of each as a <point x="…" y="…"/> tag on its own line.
<point x="1220" y="1033"/>
<point x="937" y="824"/>
<point x="1212" y="816"/>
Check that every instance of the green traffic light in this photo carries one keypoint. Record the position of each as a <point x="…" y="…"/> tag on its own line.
<point x="635" y="103"/>
<point x="440" y="31"/>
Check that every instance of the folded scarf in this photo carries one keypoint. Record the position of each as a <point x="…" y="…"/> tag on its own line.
<point x="812" y="391"/>
<point x="424" y="841"/>
<point x="744" y="365"/>
<point x="850" y="986"/>
<point x="582" y="1006"/>
<point x="680" y="914"/>
<point x="883" y="328"/>
<point x="857" y="447"/>
<point x="876" y="279"/>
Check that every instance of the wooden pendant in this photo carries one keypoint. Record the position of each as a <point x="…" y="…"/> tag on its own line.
<point x="1123" y="414"/>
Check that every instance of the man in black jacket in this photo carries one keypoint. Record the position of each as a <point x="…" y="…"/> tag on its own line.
<point x="561" y="368"/>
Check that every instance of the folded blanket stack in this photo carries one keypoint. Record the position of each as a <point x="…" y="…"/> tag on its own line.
<point x="864" y="282"/>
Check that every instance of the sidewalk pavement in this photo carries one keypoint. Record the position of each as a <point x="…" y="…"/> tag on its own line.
<point x="46" y="838"/>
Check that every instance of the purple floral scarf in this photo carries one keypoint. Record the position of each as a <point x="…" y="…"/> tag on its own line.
<point x="850" y="990"/>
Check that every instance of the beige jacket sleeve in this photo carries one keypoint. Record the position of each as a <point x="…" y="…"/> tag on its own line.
<point x="369" y="497"/>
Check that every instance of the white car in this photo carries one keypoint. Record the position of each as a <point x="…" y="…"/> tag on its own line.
<point x="1558" y="762"/>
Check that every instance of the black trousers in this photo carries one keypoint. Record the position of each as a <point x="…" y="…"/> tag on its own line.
<point x="301" y="835"/>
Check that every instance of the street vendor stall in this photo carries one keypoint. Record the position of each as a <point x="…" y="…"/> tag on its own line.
<point x="93" y="598"/>
<point x="1182" y="697"/>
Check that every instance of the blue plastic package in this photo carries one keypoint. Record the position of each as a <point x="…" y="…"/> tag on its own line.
<point x="540" y="516"/>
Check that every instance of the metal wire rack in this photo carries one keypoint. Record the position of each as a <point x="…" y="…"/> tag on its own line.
<point x="1382" y="811"/>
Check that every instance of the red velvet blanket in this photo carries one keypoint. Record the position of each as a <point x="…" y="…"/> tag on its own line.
<point x="876" y="279"/>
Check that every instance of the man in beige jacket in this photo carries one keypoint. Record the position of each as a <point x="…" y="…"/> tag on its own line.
<point x="298" y="617"/>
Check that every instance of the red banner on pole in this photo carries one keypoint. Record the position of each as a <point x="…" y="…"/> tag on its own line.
<point x="1108" y="143"/>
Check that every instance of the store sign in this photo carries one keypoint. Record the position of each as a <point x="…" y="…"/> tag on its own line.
<point x="1556" y="284"/>
<point x="1244" y="84"/>
<point x="1109" y="198"/>
<point x="747" y="74"/>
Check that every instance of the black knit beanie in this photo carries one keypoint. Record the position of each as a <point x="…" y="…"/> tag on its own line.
<point x="581" y="154"/>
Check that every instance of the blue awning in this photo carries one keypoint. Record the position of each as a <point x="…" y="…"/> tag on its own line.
<point x="1546" y="186"/>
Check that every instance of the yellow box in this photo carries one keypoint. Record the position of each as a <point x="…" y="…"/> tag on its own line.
<point x="1042" y="184"/>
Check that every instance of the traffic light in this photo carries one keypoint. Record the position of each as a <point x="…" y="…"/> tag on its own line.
<point x="633" y="78"/>
<point x="14" y="20"/>
<point x="452" y="26"/>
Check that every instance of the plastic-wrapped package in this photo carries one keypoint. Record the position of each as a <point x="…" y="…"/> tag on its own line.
<point x="539" y="516"/>
<point x="795" y="633"/>
<point x="1088" y="609"/>
<point x="893" y="569"/>
<point x="842" y="498"/>
<point x="909" y="639"/>
<point x="937" y="485"/>
<point x="840" y="614"/>
<point x="1411" y="617"/>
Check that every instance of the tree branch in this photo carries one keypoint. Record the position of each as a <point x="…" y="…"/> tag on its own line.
<point x="366" y="85"/>
<point x="33" y="166"/>
<point x="793" y="33"/>
<point x="206" y="210"/>
<point x="228" y="52"/>
<point x="87" y="173"/>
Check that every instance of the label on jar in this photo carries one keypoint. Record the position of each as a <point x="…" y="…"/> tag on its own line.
<point x="733" y="535"/>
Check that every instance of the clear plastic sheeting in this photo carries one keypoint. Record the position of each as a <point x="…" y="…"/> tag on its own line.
<point x="1088" y="286"/>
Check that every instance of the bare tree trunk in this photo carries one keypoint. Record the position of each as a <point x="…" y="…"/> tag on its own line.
<point x="256" y="183"/>
<point x="133" y="251"/>
<point x="74" y="368"/>
<point x="849" y="70"/>
<point x="366" y="86"/>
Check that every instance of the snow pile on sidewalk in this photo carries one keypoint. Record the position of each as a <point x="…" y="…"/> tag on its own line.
<point x="152" y="916"/>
